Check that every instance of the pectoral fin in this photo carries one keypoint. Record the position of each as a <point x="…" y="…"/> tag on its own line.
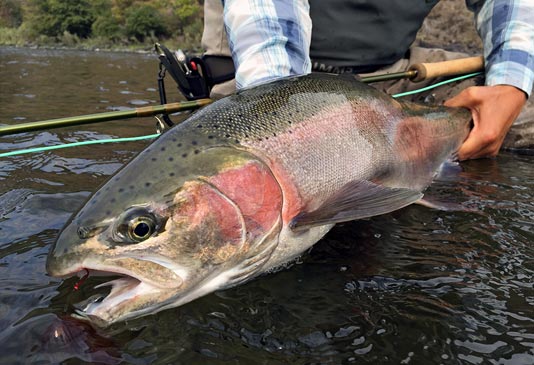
<point x="356" y="200"/>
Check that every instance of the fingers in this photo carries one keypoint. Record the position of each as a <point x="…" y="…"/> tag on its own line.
<point x="475" y="147"/>
<point x="494" y="109"/>
<point x="471" y="148"/>
<point x="485" y="138"/>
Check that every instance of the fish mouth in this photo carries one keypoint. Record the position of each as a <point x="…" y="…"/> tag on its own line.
<point x="101" y="307"/>
<point x="132" y="295"/>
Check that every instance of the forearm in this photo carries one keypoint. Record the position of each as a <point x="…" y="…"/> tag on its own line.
<point x="507" y="31"/>
<point x="268" y="39"/>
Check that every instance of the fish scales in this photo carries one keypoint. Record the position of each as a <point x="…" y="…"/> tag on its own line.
<point x="324" y="134"/>
<point x="247" y="184"/>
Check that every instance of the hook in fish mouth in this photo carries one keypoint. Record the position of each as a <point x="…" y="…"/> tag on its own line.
<point x="132" y="292"/>
<point x="123" y="288"/>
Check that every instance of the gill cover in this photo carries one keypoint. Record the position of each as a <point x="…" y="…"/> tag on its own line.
<point x="203" y="208"/>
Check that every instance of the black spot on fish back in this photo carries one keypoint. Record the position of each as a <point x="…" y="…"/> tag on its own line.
<point x="252" y="115"/>
<point x="267" y="110"/>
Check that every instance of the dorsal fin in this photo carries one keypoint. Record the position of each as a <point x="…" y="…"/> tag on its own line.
<point x="356" y="200"/>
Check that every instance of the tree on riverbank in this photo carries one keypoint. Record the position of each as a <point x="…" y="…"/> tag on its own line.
<point x="101" y="23"/>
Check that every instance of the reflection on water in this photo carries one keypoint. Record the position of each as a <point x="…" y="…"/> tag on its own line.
<point x="416" y="286"/>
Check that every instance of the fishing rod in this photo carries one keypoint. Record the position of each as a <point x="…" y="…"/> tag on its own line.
<point x="417" y="72"/>
<point x="430" y="70"/>
<point x="152" y="136"/>
<point x="146" y="111"/>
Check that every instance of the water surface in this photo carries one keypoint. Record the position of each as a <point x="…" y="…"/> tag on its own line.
<point x="417" y="286"/>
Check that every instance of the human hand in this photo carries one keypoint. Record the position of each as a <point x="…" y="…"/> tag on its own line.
<point x="494" y="109"/>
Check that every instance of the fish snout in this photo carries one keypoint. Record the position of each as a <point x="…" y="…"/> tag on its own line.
<point x="61" y="260"/>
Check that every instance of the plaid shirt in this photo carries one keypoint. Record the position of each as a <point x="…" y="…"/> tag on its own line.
<point x="271" y="39"/>
<point x="507" y="31"/>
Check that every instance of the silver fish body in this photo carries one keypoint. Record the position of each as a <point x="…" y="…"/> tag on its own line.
<point x="249" y="183"/>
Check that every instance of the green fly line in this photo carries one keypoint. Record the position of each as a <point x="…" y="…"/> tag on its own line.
<point x="77" y="144"/>
<point x="152" y="136"/>
<point x="436" y="85"/>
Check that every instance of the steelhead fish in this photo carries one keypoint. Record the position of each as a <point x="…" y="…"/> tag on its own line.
<point x="249" y="183"/>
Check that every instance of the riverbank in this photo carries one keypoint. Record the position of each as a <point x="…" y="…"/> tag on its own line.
<point x="11" y="37"/>
<point x="102" y="24"/>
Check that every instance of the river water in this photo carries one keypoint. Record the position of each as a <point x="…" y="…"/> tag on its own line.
<point x="417" y="286"/>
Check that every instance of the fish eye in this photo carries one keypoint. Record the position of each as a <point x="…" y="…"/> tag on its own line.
<point x="135" y="225"/>
<point x="141" y="228"/>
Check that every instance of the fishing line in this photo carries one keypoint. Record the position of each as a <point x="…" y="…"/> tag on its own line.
<point x="151" y="136"/>
<point x="76" y="144"/>
<point x="436" y="85"/>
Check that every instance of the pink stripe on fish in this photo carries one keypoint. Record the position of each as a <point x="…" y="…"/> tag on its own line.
<point x="255" y="191"/>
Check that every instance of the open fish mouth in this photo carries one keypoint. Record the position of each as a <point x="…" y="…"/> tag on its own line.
<point x="130" y="295"/>
<point x="123" y="288"/>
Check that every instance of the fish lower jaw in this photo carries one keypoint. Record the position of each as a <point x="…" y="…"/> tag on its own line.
<point x="125" y="300"/>
<point x="129" y="291"/>
<point x="133" y="293"/>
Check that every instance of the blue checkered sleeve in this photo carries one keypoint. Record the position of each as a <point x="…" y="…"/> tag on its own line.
<point x="271" y="39"/>
<point x="268" y="39"/>
<point x="507" y="31"/>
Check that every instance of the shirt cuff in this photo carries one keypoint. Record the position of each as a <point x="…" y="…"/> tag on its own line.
<point x="511" y="67"/>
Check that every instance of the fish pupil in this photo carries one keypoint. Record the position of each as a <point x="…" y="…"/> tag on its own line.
<point x="142" y="229"/>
